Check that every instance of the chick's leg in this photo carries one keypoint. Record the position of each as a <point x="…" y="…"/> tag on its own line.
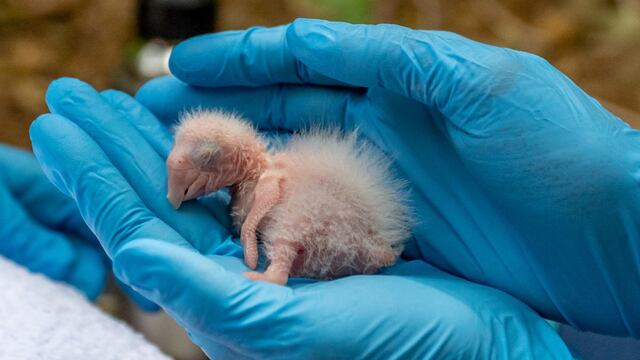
<point x="282" y="255"/>
<point x="267" y="194"/>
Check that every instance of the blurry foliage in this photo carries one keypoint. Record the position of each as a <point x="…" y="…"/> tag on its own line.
<point x="41" y="40"/>
<point x="354" y="11"/>
<point x="594" y="42"/>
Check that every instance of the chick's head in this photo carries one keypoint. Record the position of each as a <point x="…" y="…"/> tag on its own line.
<point x="211" y="150"/>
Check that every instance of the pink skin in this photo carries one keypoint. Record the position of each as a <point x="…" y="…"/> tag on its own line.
<point x="309" y="206"/>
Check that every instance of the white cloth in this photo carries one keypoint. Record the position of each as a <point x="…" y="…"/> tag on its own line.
<point x="42" y="319"/>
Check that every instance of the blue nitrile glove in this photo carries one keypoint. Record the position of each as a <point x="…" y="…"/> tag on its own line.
<point x="521" y="181"/>
<point x="107" y="152"/>
<point x="41" y="229"/>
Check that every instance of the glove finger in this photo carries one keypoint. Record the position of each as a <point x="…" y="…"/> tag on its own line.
<point x="88" y="272"/>
<point x="428" y="66"/>
<point x="154" y="132"/>
<point x="142" y="302"/>
<point x="254" y="57"/>
<point x="206" y="295"/>
<point x="78" y="167"/>
<point x="432" y="67"/>
<point x="285" y="107"/>
<point x="157" y="135"/>
<point x="216" y="350"/>
<point x="22" y="175"/>
<point x="134" y="159"/>
<point x="28" y="243"/>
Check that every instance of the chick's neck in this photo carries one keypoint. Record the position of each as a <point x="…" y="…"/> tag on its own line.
<point x="254" y="164"/>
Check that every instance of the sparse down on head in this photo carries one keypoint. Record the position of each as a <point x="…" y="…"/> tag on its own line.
<point x="212" y="150"/>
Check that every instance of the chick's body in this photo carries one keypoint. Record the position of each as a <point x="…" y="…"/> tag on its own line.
<point x="324" y="206"/>
<point x="338" y="213"/>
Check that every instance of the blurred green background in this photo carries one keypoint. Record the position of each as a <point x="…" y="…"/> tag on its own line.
<point x="594" y="42"/>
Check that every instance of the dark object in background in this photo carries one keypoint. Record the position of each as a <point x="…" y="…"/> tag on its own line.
<point x="590" y="346"/>
<point x="162" y="24"/>
<point x="175" y="19"/>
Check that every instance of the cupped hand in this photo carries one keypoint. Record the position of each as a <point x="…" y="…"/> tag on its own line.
<point x="520" y="180"/>
<point x="107" y="152"/>
<point x="41" y="229"/>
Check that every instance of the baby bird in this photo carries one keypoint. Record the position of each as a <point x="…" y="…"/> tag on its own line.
<point x="324" y="206"/>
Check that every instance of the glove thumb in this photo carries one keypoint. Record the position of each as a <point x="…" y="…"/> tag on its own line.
<point x="205" y="294"/>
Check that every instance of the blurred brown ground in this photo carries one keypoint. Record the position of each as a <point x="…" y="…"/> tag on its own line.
<point x="595" y="42"/>
<point x="41" y="40"/>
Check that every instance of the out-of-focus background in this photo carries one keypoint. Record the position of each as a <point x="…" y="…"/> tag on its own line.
<point x="595" y="42"/>
<point x="121" y="43"/>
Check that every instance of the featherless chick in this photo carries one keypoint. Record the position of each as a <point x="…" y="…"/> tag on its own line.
<point x="324" y="206"/>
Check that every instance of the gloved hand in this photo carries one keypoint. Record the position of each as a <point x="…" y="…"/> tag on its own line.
<point x="107" y="152"/>
<point x="41" y="229"/>
<point x="520" y="180"/>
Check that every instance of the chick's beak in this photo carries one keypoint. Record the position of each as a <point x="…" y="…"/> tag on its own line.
<point x="180" y="182"/>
